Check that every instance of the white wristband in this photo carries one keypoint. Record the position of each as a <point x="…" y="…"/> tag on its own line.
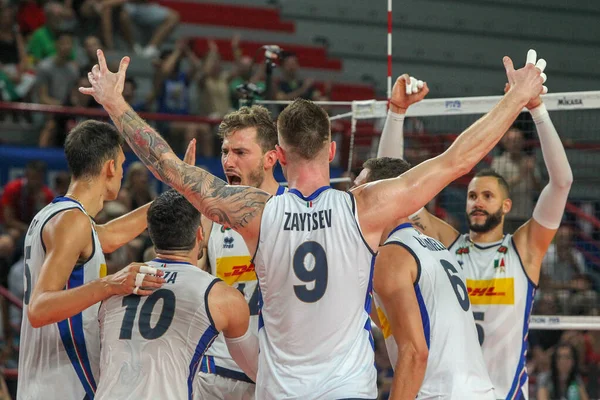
<point x="539" y="113"/>
<point x="396" y="117"/>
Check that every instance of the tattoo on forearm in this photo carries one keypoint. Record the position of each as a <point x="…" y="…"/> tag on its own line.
<point x="232" y="206"/>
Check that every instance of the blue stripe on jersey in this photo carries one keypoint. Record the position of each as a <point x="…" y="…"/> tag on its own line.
<point x="312" y="196"/>
<point x="521" y="376"/>
<point x="368" y="302"/>
<point x="401" y="226"/>
<point x="205" y="341"/>
<point x="261" y="322"/>
<point x="424" y="314"/>
<point x="73" y="339"/>
<point x="280" y="191"/>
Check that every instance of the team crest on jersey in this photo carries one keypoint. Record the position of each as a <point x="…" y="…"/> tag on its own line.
<point x="223" y="229"/>
<point x="462" y="250"/>
<point x="228" y="242"/>
<point x="503" y="249"/>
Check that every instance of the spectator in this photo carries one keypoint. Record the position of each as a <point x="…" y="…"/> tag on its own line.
<point x="13" y="58"/>
<point x="136" y="191"/>
<point x="160" y="19"/>
<point x="214" y="84"/>
<point x="129" y="94"/>
<point x="43" y="42"/>
<point x="172" y="89"/>
<point x="563" y="381"/>
<point x="110" y="9"/>
<point x="57" y="75"/>
<point x="57" y="128"/>
<point x="291" y="86"/>
<point x="521" y="175"/>
<point x="30" y="16"/>
<point x="91" y="44"/>
<point x="563" y="262"/>
<point x="24" y="197"/>
<point x="62" y="180"/>
<point x="243" y="74"/>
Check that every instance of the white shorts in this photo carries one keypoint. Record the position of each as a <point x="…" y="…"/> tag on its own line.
<point x="215" y="387"/>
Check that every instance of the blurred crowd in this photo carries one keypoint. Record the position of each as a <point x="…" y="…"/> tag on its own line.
<point x="46" y="51"/>
<point x="48" y="48"/>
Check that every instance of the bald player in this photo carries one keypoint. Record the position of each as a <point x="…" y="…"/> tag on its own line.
<point x="313" y="246"/>
<point x="503" y="270"/>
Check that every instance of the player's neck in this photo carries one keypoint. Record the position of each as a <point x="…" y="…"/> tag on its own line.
<point x="89" y="195"/>
<point x="490" y="236"/>
<point x="269" y="184"/>
<point x="307" y="176"/>
<point x="177" y="257"/>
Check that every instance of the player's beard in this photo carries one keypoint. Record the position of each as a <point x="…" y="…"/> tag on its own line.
<point x="257" y="175"/>
<point x="492" y="221"/>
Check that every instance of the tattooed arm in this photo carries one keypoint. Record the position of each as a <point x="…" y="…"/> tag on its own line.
<point x="238" y="207"/>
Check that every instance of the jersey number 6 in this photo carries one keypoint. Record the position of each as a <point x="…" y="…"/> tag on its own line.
<point x="462" y="295"/>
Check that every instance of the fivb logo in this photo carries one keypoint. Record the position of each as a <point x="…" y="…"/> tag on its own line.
<point x="452" y="105"/>
<point x="566" y="102"/>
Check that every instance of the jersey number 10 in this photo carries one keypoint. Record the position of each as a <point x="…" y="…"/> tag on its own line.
<point x="131" y="304"/>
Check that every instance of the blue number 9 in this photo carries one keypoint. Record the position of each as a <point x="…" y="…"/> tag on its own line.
<point x="318" y="274"/>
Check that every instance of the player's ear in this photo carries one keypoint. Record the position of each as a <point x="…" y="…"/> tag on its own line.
<point x="280" y="155"/>
<point x="111" y="168"/>
<point x="199" y="234"/>
<point x="332" y="148"/>
<point x="270" y="159"/>
<point x="506" y="206"/>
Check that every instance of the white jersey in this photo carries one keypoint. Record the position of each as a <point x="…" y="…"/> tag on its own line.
<point x="315" y="275"/>
<point x="455" y="366"/>
<point x="61" y="360"/>
<point x="152" y="345"/>
<point x="502" y="297"/>
<point x="231" y="261"/>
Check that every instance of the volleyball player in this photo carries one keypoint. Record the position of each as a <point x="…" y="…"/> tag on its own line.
<point x="248" y="157"/>
<point x="503" y="270"/>
<point x="151" y="346"/>
<point x="65" y="271"/>
<point x="313" y="246"/>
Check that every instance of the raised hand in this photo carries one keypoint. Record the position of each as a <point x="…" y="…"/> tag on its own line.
<point x="406" y="91"/>
<point x="107" y="87"/>
<point x="136" y="278"/>
<point x="190" y="153"/>
<point x="528" y="81"/>
<point x="541" y="65"/>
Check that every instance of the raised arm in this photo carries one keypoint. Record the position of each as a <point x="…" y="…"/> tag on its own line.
<point x="395" y="274"/>
<point x="238" y="207"/>
<point x="534" y="237"/>
<point x="123" y="230"/>
<point x="391" y="142"/>
<point x="390" y="199"/>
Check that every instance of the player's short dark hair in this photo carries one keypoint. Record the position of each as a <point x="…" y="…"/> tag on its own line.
<point x="173" y="222"/>
<point x="252" y="117"/>
<point x="488" y="172"/>
<point x="305" y="127"/>
<point x="385" y="168"/>
<point x="89" y="145"/>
